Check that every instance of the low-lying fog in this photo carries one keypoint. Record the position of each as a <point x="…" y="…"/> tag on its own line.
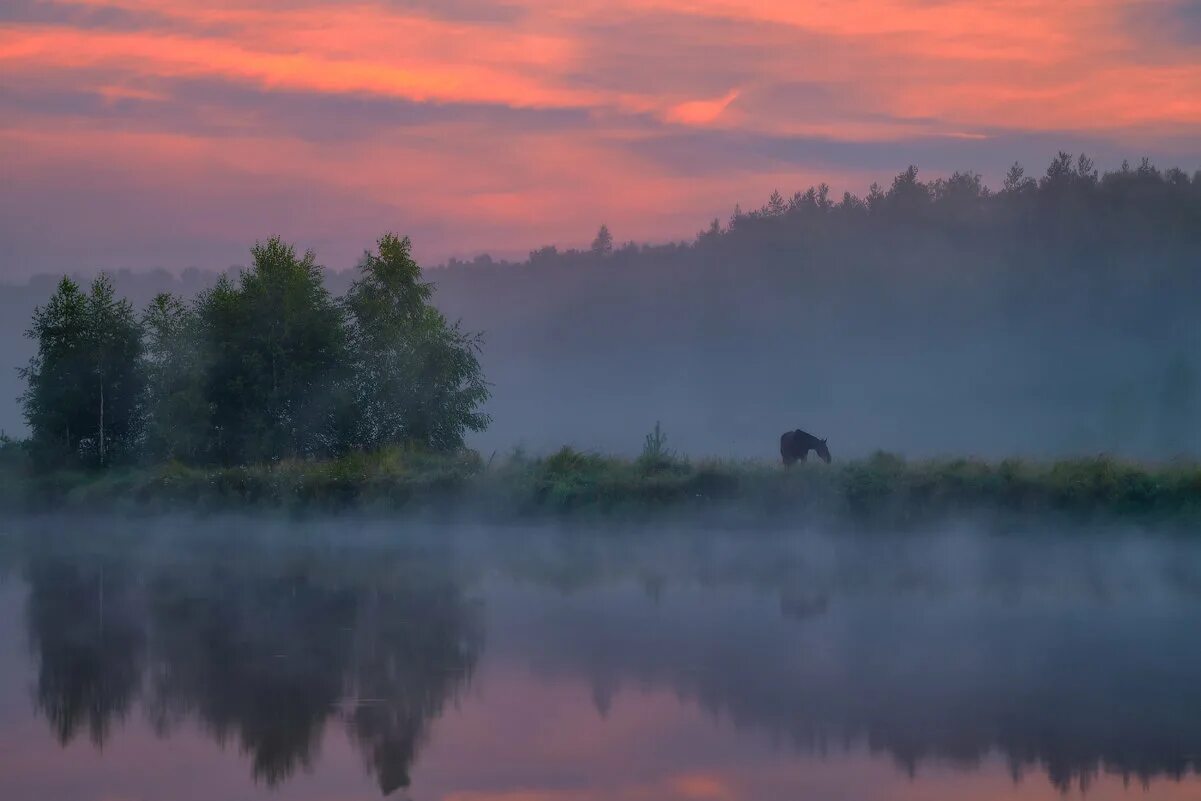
<point x="1043" y="318"/>
<point x="333" y="653"/>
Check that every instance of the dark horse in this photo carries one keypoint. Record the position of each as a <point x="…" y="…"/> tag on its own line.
<point x="797" y="444"/>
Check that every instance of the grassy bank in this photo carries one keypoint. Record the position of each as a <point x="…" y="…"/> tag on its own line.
<point x="576" y="484"/>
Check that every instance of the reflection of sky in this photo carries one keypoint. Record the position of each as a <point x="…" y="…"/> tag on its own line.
<point x="164" y="132"/>
<point x="514" y="739"/>
<point x="633" y="693"/>
<point x="650" y="745"/>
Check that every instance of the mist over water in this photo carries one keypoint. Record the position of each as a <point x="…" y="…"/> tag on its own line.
<point x="319" y="657"/>
<point x="340" y="657"/>
<point x="290" y="511"/>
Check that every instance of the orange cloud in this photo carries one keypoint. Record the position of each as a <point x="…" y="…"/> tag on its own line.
<point x="697" y="112"/>
<point x="653" y="115"/>
<point x="175" y="56"/>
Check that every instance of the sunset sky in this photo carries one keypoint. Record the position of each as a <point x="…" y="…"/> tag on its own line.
<point x="146" y="133"/>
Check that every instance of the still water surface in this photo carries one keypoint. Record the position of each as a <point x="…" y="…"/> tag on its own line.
<point x="233" y="659"/>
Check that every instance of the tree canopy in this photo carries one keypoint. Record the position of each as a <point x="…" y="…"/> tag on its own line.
<point x="418" y="378"/>
<point x="266" y="366"/>
<point x="84" y="396"/>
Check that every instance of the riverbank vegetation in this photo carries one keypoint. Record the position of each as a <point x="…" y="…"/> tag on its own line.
<point x="577" y="485"/>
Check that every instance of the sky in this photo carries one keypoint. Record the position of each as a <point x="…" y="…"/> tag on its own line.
<point x="139" y="134"/>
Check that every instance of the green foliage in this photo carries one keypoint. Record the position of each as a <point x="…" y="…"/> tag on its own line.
<point x="85" y="390"/>
<point x="178" y="412"/>
<point x="883" y="490"/>
<point x="276" y="352"/>
<point x="54" y="403"/>
<point x="417" y="379"/>
<point x="655" y="453"/>
<point x="264" y="368"/>
<point x="870" y="484"/>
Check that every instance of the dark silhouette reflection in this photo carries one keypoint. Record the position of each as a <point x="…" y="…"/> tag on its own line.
<point x="87" y="626"/>
<point x="420" y="645"/>
<point x="256" y="657"/>
<point x="1060" y="656"/>
<point x="263" y="649"/>
<point x="1070" y="659"/>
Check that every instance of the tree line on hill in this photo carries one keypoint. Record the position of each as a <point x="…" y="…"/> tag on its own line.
<point x="1054" y="314"/>
<point x="263" y="367"/>
<point x="1072" y="204"/>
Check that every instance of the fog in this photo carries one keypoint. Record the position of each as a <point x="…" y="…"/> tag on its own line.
<point x="1044" y="318"/>
<point x="1066" y="652"/>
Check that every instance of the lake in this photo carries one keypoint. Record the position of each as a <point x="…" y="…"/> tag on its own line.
<point x="329" y="660"/>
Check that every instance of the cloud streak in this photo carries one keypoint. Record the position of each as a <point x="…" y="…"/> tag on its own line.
<point x="502" y="126"/>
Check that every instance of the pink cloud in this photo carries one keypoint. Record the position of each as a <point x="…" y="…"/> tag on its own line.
<point x="451" y="162"/>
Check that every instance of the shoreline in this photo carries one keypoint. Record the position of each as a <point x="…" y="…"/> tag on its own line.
<point x="573" y="485"/>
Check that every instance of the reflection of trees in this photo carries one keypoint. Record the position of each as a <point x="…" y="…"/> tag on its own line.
<point x="1114" y="690"/>
<point x="263" y="651"/>
<point x="86" y="626"/>
<point x="259" y="657"/>
<point x="1057" y="654"/>
<point x="267" y="648"/>
<point x="415" y="648"/>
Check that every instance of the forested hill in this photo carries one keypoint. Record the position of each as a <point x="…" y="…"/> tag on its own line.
<point x="1054" y="314"/>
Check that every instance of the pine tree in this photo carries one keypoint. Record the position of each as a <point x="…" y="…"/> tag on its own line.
<point x="603" y="244"/>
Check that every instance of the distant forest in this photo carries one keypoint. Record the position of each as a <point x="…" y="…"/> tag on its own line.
<point x="1054" y="314"/>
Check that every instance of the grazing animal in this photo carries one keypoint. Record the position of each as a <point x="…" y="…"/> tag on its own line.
<point x="796" y="445"/>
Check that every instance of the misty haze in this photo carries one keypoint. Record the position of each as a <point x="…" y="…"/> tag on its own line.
<point x="1053" y="315"/>
<point x="543" y="400"/>
<point x="769" y="664"/>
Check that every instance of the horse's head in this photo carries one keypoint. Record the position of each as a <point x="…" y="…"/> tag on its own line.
<point x="823" y="451"/>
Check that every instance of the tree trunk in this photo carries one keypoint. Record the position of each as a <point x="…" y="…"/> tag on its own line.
<point x="102" y="424"/>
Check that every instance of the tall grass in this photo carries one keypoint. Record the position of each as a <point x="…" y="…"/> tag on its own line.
<point x="575" y="483"/>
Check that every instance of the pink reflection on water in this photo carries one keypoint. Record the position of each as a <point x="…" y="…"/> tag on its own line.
<point x="519" y="737"/>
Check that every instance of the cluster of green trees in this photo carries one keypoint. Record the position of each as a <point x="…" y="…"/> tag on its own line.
<point x="263" y="367"/>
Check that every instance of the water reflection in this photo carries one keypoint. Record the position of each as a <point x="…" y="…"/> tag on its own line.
<point x="263" y="650"/>
<point x="1073" y="656"/>
<point x="88" y="631"/>
<point x="1072" y="659"/>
